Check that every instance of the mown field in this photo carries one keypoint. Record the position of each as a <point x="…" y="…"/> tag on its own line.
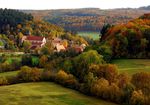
<point x="93" y="35"/>
<point x="11" y="58"/>
<point x="10" y="73"/>
<point x="132" y="66"/>
<point x="44" y="93"/>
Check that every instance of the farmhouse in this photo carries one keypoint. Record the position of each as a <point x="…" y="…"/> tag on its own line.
<point x="36" y="41"/>
<point x="79" y="49"/>
<point x="57" y="43"/>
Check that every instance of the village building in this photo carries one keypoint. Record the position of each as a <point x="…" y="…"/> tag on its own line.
<point x="36" y="41"/>
<point x="79" y="48"/>
<point x="58" y="46"/>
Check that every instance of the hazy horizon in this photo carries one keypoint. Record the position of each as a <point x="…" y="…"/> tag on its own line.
<point x="71" y="4"/>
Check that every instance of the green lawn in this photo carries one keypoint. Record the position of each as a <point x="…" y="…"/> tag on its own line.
<point x="132" y="66"/>
<point x="94" y="35"/>
<point x="10" y="73"/>
<point x="44" y="93"/>
<point x="11" y="59"/>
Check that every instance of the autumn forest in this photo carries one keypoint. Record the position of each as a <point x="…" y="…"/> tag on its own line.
<point x="42" y="54"/>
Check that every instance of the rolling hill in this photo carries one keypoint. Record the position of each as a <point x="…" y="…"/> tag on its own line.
<point x="131" y="40"/>
<point x="45" y="93"/>
<point x="88" y="19"/>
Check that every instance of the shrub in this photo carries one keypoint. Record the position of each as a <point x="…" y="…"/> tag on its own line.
<point x="61" y="76"/>
<point x="35" y="61"/>
<point x="137" y="98"/>
<point x="47" y="75"/>
<point x="13" y="79"/>
<point x="28" y="74"/>
<point x="43" y="60"/>
<point x="107" y="71"/>
<point x="142" y="81"/>
<point x="100" y="88"/>
<point x="66" y="79"/>
<point x="3" y="81"/>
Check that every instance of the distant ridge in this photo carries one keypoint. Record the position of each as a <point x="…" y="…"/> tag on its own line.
<point x="145" y="7"/>
<point x="88" y="19"/>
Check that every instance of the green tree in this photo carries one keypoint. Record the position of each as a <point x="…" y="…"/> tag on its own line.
<point x="84" y="60"/>
<point x="48" y="49"/>
<point x="104" y="30"/>
<point x="43" y="60"/>
<point x="26" y="45"/>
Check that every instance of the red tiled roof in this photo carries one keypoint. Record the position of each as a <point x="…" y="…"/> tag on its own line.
<point x="78" y="49"/>
<point x="37" y="43"/>
<point x="38" y="38"/>
<point x="33" y="47"/>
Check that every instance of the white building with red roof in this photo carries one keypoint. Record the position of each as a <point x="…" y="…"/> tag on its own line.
<point x="57" y="43"/>
<point x="36" y="41"/>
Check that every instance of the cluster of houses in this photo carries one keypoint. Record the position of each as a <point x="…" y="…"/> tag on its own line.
<point x="58" y="43"/>
<point x="38" y="41"/>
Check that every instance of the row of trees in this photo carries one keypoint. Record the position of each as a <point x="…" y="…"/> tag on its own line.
<point x="10" y="18"/>
<point x="87" y="19"/>
<point x="90" y="74"/>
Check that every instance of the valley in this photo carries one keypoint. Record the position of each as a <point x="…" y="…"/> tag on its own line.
<point x="92" y="35"/>
<point x="57" y="57"/>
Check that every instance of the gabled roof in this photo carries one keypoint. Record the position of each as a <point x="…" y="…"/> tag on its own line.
<point x="57" y="40"/>
<point x="37" y="38"/>
<point x="60" y="47"/>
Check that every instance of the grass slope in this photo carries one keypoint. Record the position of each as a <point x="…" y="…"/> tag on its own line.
<point x="44" y="93"/>
<point x="132" y="66"/>
<point x="10" y="73"/>
<point x="93" y="35"/>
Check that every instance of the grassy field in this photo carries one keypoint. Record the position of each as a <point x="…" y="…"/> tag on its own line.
<point x="11" y="73"/>
<point x="132" y="66"/>
<point x="93" y="35"/>
<point x="44" y="93"/>
<point x="11" y="59"/>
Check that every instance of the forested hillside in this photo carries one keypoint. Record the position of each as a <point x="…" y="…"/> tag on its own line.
<point x="10" y="18"/>
<point x="145" y="8"/>
<point x="14" y="24"/>
<point x="88" y="19"/>
<point x="88" y="70"/>
<point x="131" y="40"/>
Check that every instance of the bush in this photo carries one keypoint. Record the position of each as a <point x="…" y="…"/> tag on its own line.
<point x="43" y="60"/>
<point x="28" y="74"/>
<point x="47" y="75"/>
<point x="107" y="71"/>
<point x="100" y="88"/>
<point x="3" y="81"/>
<point x="66" y="79"/>
<point x="137" y="98"/>
<point x="142" y="81"/>
<point x="61" y="76"/>
<point x="84" y="60"/>
<point x="13" y="79"/>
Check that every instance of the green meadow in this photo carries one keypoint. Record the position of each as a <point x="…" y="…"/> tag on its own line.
<point x="93" y="35"/>
<point x="44" y="93"/>
<point x="132" y="66"/>
<point x="10" y="73"/>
